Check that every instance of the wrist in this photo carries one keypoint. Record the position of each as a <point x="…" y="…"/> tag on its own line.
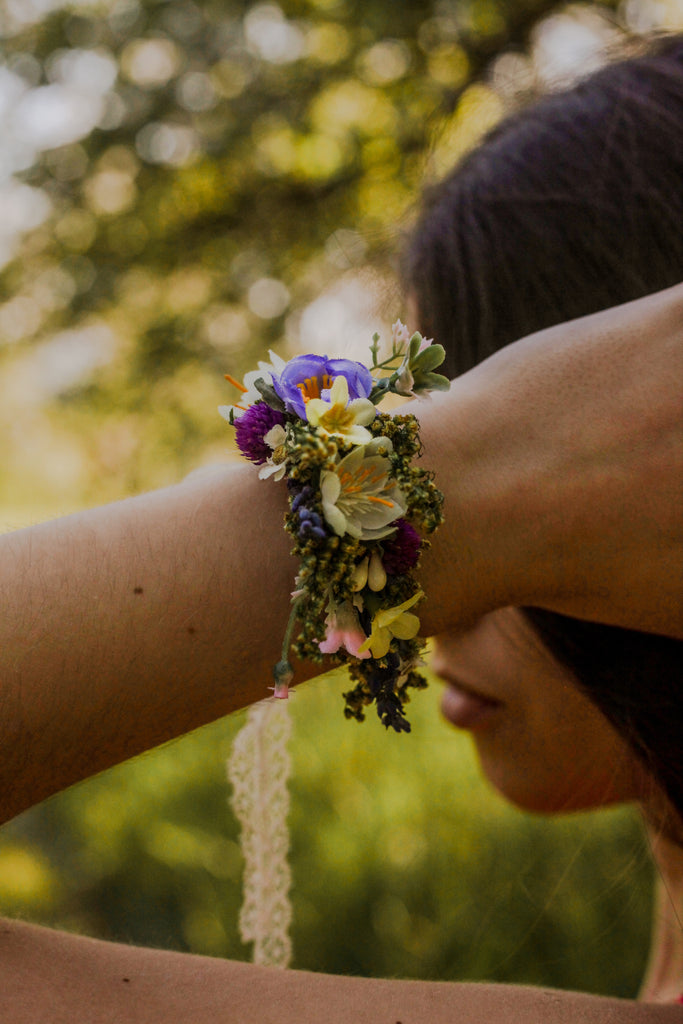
<point x="477" y="561"/>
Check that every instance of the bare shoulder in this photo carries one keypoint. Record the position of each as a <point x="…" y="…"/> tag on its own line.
<point x="67" y="979"/>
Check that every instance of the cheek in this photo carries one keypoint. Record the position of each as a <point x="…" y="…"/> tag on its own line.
<point x="546" y="748"/>
<point x="557" y="754"/>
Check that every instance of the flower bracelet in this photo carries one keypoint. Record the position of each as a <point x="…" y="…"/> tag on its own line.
<point x="358" y="509"/>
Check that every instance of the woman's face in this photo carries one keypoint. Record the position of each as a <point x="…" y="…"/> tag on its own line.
<point x="540" y="741"/>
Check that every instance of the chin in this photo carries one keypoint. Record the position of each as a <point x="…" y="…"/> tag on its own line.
<point x="534" y="790"/>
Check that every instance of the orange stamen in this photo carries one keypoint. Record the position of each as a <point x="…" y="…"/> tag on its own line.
<point x="310" y="387"/>
<point x="235" y="383"/>
<point x="381" y="501"/>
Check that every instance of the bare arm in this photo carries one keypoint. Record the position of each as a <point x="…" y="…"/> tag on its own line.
<point x="561" y="461"/>
<point x="563" y="457"/>
<point x="64" y="979"/>
<point x="130" y="624"/>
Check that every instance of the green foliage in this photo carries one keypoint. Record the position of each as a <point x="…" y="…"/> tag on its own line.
<point x="404" y="862"/>
<point x="246" y="157"/>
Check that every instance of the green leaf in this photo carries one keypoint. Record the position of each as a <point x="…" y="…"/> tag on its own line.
<point x="431" y="382"/>
<point x="428" y="359"/>
<point x="267" y="393"/>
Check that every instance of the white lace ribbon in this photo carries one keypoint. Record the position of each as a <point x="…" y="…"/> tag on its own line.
<point x="258" y="769"/>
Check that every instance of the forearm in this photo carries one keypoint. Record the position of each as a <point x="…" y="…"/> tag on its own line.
<point x="561" y="461"/>
<point x="128" y="625"/>
<point x="71" y="980"/>
<point x="566" y="451"/>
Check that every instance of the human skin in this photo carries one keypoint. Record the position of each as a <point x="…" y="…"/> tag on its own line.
<point x="125" y="626"/>
<point x="573" y="443"/>
<point x="541" y="742"/>
<point x="546" y="747"/>
<point x="561" y="463"/>
<point x="66" y="979"/>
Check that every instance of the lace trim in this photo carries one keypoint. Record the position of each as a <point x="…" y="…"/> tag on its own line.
<point x="258" y="769"/>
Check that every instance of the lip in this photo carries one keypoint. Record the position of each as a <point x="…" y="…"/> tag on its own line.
<point x="466" y="709"/>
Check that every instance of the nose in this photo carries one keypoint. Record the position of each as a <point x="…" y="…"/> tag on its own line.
<point x="438" y="660"/>
<point x="445" y="649"/>
<point x="458" y="646"/>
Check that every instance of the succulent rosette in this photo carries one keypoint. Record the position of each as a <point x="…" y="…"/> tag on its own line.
<point x="358" y="509"/>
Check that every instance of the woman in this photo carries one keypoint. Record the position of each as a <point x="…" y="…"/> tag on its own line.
<point x="571" y="206"/>
<point x="146" y="587"/>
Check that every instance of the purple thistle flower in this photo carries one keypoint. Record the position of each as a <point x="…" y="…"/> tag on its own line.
<point x="402" y="549"/>
<point x="252" y="427"/>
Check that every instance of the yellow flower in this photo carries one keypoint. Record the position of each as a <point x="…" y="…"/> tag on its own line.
<point x="392" y="622"/>
<point x="340" y="417"/>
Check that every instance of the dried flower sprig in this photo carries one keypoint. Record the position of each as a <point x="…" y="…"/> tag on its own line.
<point x="358" y="511"/>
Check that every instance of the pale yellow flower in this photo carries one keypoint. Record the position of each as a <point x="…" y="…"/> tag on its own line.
<point x="341" y="418"/>
<point x="392" y="622"/>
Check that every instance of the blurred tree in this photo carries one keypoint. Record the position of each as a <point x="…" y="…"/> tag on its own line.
<point x="193" y="175"/>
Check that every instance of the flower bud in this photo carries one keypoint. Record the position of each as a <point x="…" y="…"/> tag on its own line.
<point x="283" y="674"/>
<point x="377" y="577"/>
<point x="360" y="576"/>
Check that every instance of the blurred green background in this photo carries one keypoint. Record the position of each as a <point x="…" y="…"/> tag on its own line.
<point x="183" y="184"/>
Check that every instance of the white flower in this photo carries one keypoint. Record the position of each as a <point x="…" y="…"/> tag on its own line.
<point x="359" y="498"/>
<point x="249" y="393"/>
<point x="276" y="465"/>
<point x="369" y="573"/>
<point x="379" y="446"/>
<point x="405" y="381"/>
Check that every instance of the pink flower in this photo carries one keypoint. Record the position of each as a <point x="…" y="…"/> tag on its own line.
<point x="400" y="335"/>
<point x="343" y="629"/>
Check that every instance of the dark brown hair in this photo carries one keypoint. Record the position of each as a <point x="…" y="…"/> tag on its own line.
<point x="570" y="206"/>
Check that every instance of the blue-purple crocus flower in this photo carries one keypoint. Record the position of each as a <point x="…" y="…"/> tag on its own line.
<point x="306" y="377"/>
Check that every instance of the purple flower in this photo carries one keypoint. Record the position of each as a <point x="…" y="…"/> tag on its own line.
<point x="306" y="377"/>
<point x="251" y="428"/>
<point x="402" y="549"/>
